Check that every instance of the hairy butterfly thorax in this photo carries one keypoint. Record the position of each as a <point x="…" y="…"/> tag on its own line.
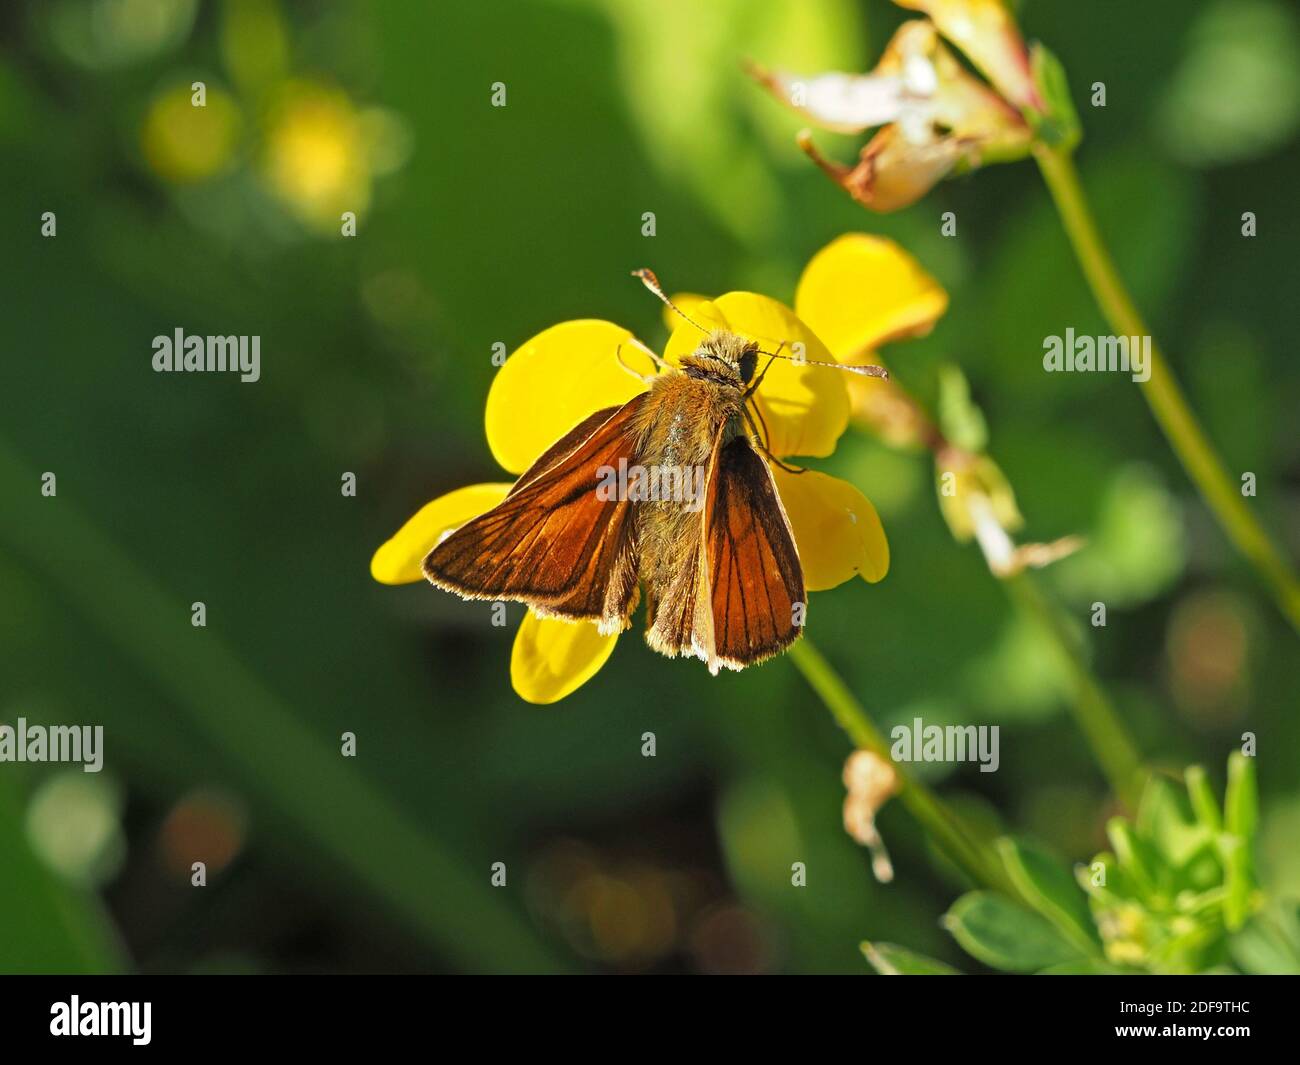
<point x="689" y="415"/>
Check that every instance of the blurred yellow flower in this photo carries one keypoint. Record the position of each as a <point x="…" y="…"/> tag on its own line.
<point x="315" y="157"/>
<point x="569" y="371"/>
<point x="184" y="143"/>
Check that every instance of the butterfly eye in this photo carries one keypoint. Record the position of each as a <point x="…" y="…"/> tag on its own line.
<point x="747" y="363"/>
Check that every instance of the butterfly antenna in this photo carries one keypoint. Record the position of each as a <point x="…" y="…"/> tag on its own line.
<point x="864" y="371"/>
<point x="647" y="278"/>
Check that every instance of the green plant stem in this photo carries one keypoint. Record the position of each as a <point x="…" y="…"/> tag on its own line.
<point x="1162" y="392"/>
<point x="1096" y="715"/>
<point x="970" y="852"/>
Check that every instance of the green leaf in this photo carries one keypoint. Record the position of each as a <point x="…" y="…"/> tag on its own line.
<point x="1241" y="803"/>
<point x="889" y="959"/>
<point x="1137" y="859"/>
<point x="730" y="171"/>
<point x="1059" y="127"/>
<point x="1183" y="845"/>
<point x="1235" y="95"/>
<point x="1137" y="544"/>
<point x="1240" y="819"/>
<point x="1202" y="798"/>
<point x="1269" y="944"/>
<point x="1115" y="885"/>
<point x="1007" y="936"/>
<point x="1048" y="886"/>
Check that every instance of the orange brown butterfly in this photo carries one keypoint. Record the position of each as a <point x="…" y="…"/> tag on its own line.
<point x="698" y="523"/>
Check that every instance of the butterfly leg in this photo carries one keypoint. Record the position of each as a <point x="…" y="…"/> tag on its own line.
<point x="762" y="422"/>
<point x="652" y="356"/>
<point x="761" y="440"/>
<point x="759" y="379"/>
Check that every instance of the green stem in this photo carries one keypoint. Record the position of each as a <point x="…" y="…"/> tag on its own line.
<point x="970" y="852"/>
<point x="1162" y="392"/>
<point x="1097" y="717"/>
<point x="1101" y="724"/>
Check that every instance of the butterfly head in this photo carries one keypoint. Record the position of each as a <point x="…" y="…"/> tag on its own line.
<point x="723" y="357"/>
<point x="732" y="359"/>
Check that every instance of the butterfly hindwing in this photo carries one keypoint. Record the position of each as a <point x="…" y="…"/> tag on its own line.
<point x="754" y="578"/>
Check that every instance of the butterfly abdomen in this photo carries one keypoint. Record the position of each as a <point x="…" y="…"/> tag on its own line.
<point x="681" y="423"/>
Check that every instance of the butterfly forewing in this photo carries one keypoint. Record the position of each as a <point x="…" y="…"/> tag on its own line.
<point x="553" y="542"/>
<point x="754" y="577"/>
<point x="565" y="446"/>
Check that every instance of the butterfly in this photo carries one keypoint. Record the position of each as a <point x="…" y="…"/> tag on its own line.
<point x="669" y="493"/>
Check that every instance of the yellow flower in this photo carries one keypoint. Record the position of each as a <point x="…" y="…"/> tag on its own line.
<point x="934" y="117"/>
<point x="856" y="293"/>
<point x="315" y="158"/>
<point x="905" y="302"/>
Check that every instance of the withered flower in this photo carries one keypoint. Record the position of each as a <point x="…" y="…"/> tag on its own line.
<point x="934" y="118"/>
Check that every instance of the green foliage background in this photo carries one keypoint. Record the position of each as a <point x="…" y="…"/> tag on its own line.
<point x="491" y="225"/>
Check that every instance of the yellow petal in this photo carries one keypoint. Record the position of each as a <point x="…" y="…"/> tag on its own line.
<point x="860" y="291"/>
<point x="553" y="658"/>
<point x="398" y="561"/>
<point x="836" y="529"/>
<point x="555" y="380"/>
<point x="805" y="408"/>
